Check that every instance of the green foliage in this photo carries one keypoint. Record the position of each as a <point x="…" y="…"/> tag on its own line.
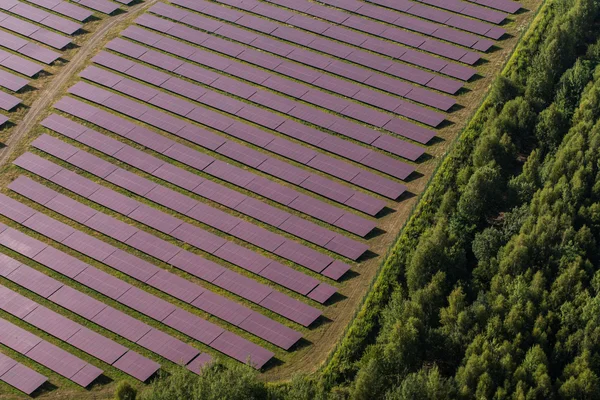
<point x="215" y="382"/>
<point x="125" y="391"/>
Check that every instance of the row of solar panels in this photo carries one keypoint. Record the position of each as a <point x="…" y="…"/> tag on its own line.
<point x="264" y="95"/>
<point x="204" y="213"/>
<point x="128" y="296"/>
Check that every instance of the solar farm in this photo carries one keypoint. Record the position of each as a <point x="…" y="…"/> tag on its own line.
<point x="196" y="179"/>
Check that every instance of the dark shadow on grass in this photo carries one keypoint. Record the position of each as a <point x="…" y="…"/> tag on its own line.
<point x="454" y="108"/>
<point x="435" y="140"/>
<point x="375" y="233"/>
<point x="367" y="255"/>
<point x="475" y="78"/>
<point x="337" y="296"/>
<point x="423" y="158"/>
<point x="102" y="380"/>
<point x="7" y="125"/>
<point x="350" y="274"/>
<point x="413" y="177"/>
<point x="26" y="89"/>
<point x="322" y="320"/>
<point x="118" y="11"/>
<point x="272" y="363"/>
<point x="300" y="344"/>
<point x="46" y="388"/>
<point x="385" y="212"/>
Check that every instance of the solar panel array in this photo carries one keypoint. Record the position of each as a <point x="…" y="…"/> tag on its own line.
<point x="34" y="32"/>
<point x="250" y="145"/>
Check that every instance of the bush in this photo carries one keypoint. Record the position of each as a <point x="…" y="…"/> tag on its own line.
<point x="125" y="391"/>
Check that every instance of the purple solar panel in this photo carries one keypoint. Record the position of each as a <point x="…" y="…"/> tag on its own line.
<point x="8" y="102"/>
<point x="167" y="346"/>
<point x="21" y="243"/>
<point x="38" y="165"/>
<point x="304" y="256"/>
<point x="336" y="270"/>
<point x="257" y="236"/>
<point x="85" y="376"/>
<point x="111" y="227"/>
<point x="289" y="278"/>
<point x="63" y="363"/>
<point x="355" y="224"/>
<point x="77" y="302"/>
<point x="175" y="286"/>
<point x="271" y="331"/>
<point x="242" y="350"/>
<point x="52" y="323"/>
<point x="89" y="246"/>
<point x="114" y="201"/>
<point x="197" y="266"/>
<point x="222" y="307"/>
<point x="34" y="280"/>
<point x="97" y="345"/>
<point x="137" y="366"/>
<point x="32" y="190"/>
<point x="15" y="303"/>
<point x="130" y="181"/>
<point x="121" y="324"/>
<point x="193" y="326"/>
<point x="262" y="212"/>
<point x="153" y="246"/>
<point x="17" y="338"/>
<point x="147" y="304"/>
<point x="49" y="227"/>
<point x="20" y="377"/>
<point x="104" y="6"/>
<point x="307" y="230"/>
<point x="291" y="308"/>
<point x="7" y="265"/>
<point x="12" y="82"/>
<point x="70" y="208"/>
<point x="322" y="293"/>
<point x="102" y="282"/>
<point x="156" y="219"/>
<point x="131" y="265"/>
<point x="243" y="286"/>
<point x="14" y="209"/>
<point x="242" y="257"/>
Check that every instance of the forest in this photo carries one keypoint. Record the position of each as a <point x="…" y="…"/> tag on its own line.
<point x="493" y="288"/>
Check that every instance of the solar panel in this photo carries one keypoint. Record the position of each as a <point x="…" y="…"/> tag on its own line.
<point x="34" y="280"/>
<point x="168" y="347"/>
<point x="19" y="376"/>
<point x="147" y="304"/>
<point x="137" y="366"/>
<point x="15" y="303"/>
<point x="122" y="324"/>
<point x="322" y="293"/>
<point x="263" y="327"/>
<point x="64" y="363"/>
<point x="77" y="302"/>
<point x="193" y="326"/>
<point x="242" y="350"/>
<point x="52" y="323"/>
<point x="291" y="308"/>
<point x="97" y="345"/>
